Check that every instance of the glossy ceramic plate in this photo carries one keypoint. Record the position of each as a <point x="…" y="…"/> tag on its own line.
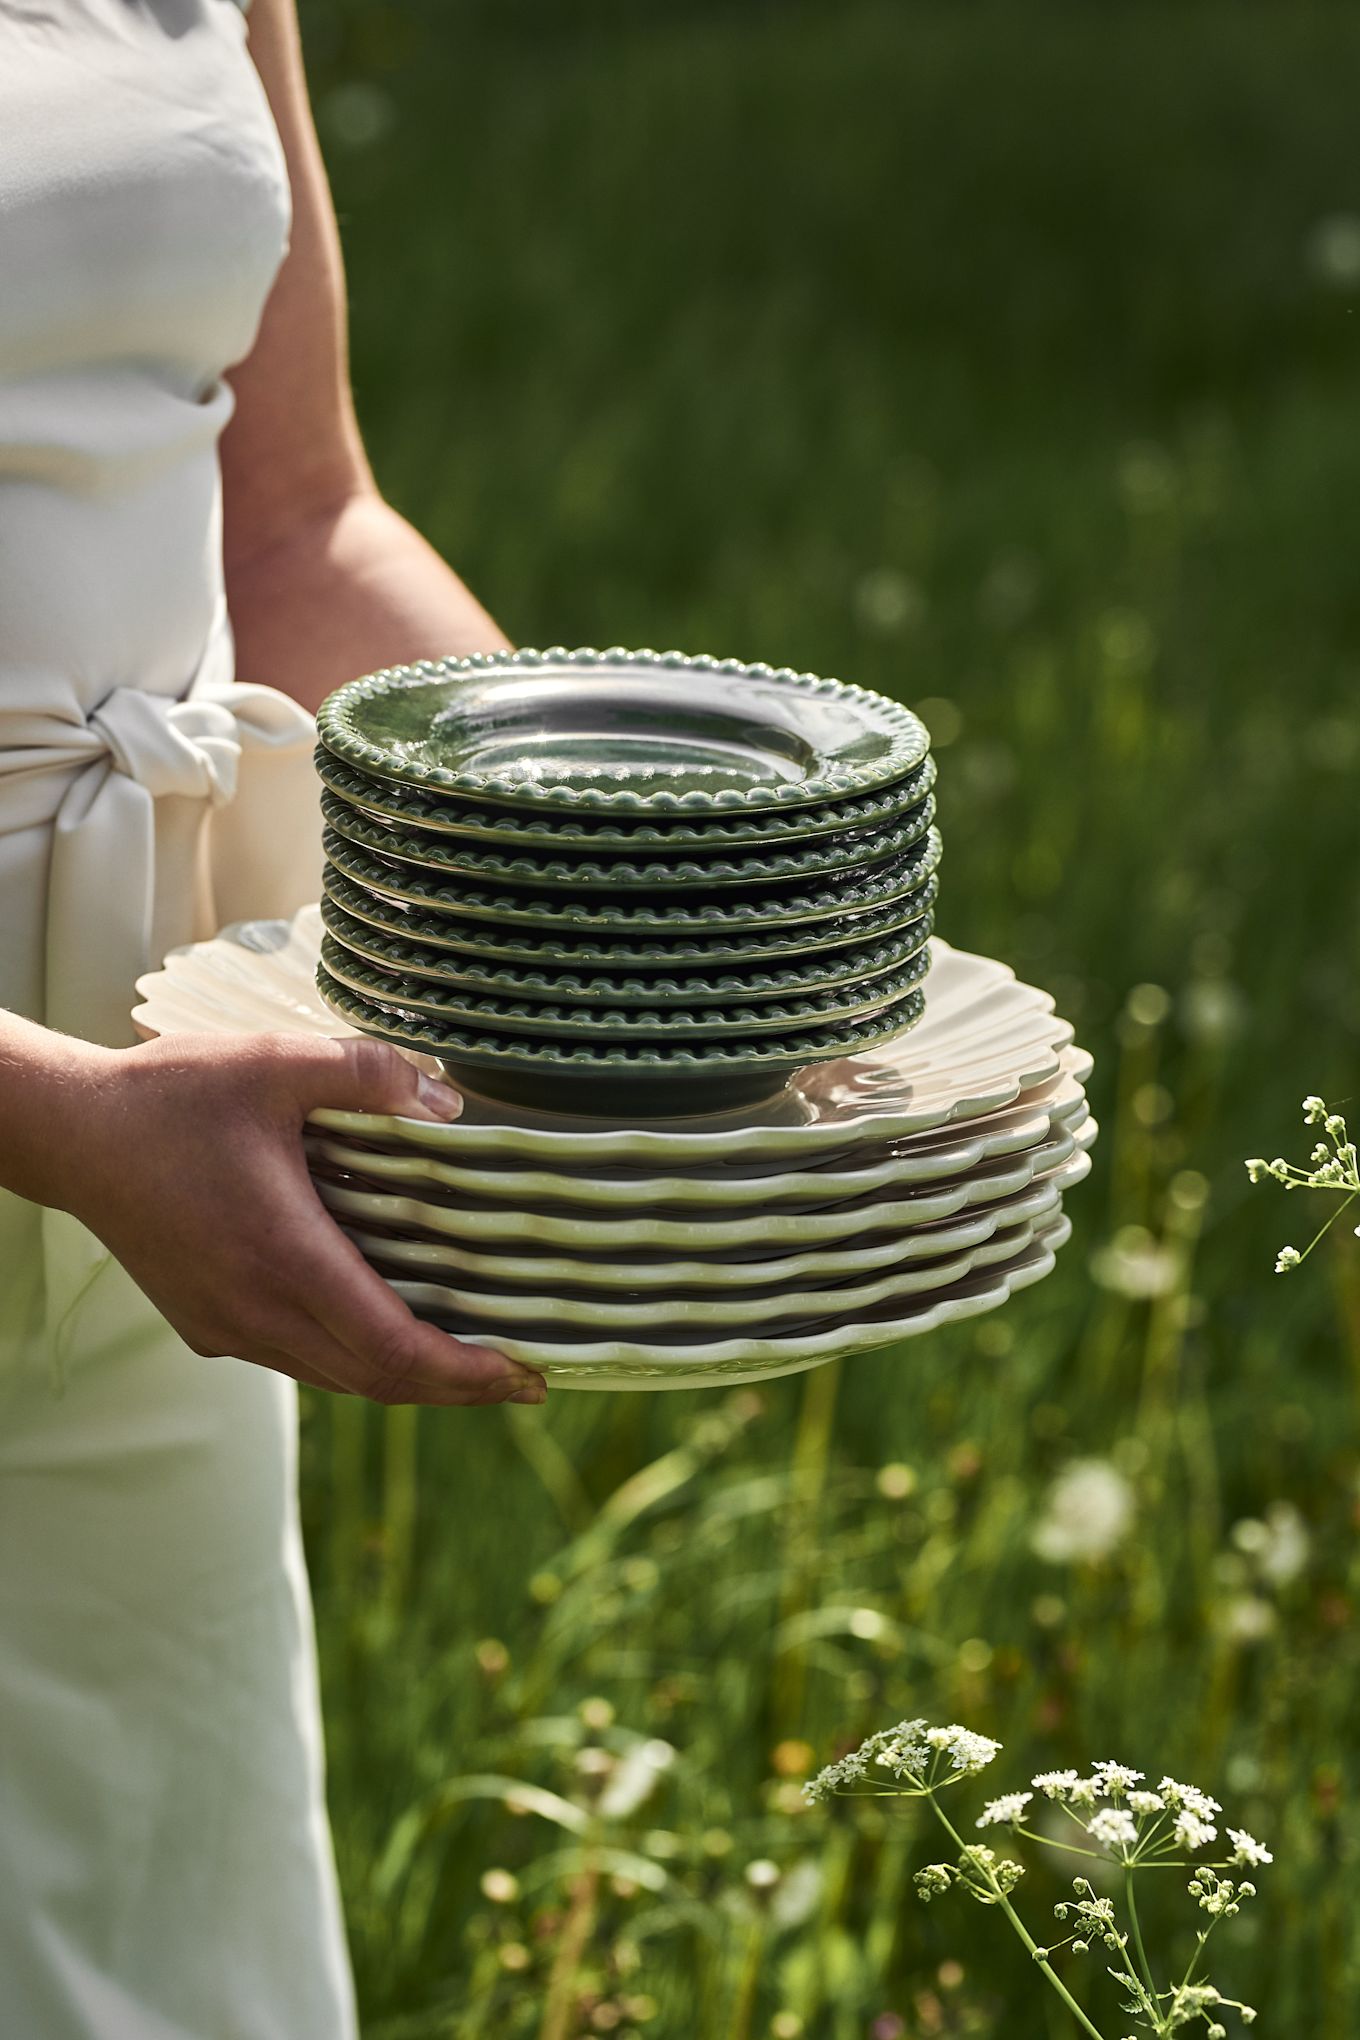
<point x="533" y="1020"/>
<point x="876" y="1167"/>
<point x="985" y="1042"/>
<point x="539" y="870"/>
<point x="847" y="898"/>
<point x="628" y="733"/>
<point x="744" y="1269"/>
<point x="694" y="1361"/>
<point x="584" y="1316"/>
<point x="667" y="1077"/>
<point x="561" y="831"/>
<point x="820" y="973"/>
<point x="578" y="950"/>
<point x="680" y="1227"/>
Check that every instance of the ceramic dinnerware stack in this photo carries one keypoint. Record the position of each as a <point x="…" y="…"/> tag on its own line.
<point x="871" y="1198"/>
<point x="625" y="882"/>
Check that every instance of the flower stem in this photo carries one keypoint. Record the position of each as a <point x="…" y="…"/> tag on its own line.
<point x="1141" y="1951"/>
<point x="1021" y="1929"/>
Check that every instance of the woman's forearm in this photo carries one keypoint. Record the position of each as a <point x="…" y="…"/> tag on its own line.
<point x="343" y="592"/>
<point x="47" y="1087"/>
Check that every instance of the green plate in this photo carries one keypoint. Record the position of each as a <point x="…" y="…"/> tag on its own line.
<point x="405" y="998"/>
<point x="762" y="867"/>
<point x="405" y="923"/>
<point x="551" y="831"/>
<point x="861" y="964"/>
<point x="627" y="733"/>
<point x="664" y="1080"/>
<point x="845" y="898"/>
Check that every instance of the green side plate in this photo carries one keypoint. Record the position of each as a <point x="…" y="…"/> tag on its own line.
<point x="635" y="734"/>
<point x="554" y="832"/>
<point x="529" y="949"/>
<point x="761" y="868"/>
<point x="404" y="999"/>
<point x="860" y="964"/>
<point x="665" y="1080"/>
<point x="845" y="898"/>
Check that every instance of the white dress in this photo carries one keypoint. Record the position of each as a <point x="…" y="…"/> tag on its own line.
<point x="165" y="1866"/>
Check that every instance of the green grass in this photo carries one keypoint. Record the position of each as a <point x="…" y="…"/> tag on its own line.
<point x="983" y="354"/>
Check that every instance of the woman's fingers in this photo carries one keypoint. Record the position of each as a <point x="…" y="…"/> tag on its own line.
<point x="358" y="1074"/>
<point x="392" y="1356"/>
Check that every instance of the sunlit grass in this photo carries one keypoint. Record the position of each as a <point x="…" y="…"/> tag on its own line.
<point x="1002" y="358"/>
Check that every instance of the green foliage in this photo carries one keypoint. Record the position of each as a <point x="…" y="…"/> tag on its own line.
<point x="1001" y="357"/>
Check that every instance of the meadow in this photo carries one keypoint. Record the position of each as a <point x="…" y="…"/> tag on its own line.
<point x="1003" y="357"/>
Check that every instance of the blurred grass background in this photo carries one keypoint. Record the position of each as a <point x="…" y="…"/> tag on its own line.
<point x="1002" y="357"/>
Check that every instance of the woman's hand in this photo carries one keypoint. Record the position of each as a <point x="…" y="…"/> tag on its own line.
<point x="184" y="1156"/>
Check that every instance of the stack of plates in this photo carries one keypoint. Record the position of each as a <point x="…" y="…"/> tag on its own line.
<point x="873" y="1198"/>
<point x="644" y="882"/>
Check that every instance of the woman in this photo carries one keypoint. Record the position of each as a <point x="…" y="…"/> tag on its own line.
<point x="164" y="1863"/>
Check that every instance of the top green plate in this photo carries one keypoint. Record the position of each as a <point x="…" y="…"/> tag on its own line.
<point x="635" y="733"/>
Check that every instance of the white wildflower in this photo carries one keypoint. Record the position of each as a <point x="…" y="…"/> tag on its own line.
<point x="1146" y="1802"/>
<point x="1192" y="1831"/>
<point x="1247" y="1850"/>
<point x="1087" y="1514"/>
<point x="1177" y="1796"/>
<point x="1314" y="1111"/>
<point x="966" y="1751"/>
<point x="1004" y="1812"/>
<point x="1287" y="1259"/>
<point x="1113" y="1828"/>
<point x="1115" y="1779"/>
<point x="1054" y="1784"/>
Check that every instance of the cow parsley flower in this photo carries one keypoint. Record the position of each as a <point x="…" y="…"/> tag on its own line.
<point x="1113" y="1828"/>
<point x="1332" y="1165"/>
<point x="1112" y="1810"/>
<point x="1004" y="1812"/>
<point x="1192" y="1832"/>
<point x="1115" y="1779"/>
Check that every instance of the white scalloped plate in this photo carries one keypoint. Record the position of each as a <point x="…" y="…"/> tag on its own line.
<point x="542" y="1275"/>
<point x="722" y="1315"/>
<point x="984" y="1043"/>
<point x="691" y="1361"/>
<point x="718" y="1186"/>
<point x="586" y="1231"/>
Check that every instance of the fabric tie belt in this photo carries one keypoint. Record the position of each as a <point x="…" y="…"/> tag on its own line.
<point x="126" y="791"/>
<point x="161" y="818"/>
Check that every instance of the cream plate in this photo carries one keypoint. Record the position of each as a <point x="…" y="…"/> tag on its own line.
<point x="696" y="1362"/>
<point x="745" y="1268"/>
<point x="600" y="1317"/>
<point x="585" y="1230"/>
<point x="718" y="1186"/>
<point x="984" y="1042"/>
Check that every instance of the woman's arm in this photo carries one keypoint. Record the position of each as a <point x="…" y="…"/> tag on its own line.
<point x="324" y="579"/>
<point x="184" y="1156"/>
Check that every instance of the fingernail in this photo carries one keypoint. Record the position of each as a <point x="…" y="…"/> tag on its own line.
<point x="439" y="1098"/>
<point x="536" y="1394"/>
